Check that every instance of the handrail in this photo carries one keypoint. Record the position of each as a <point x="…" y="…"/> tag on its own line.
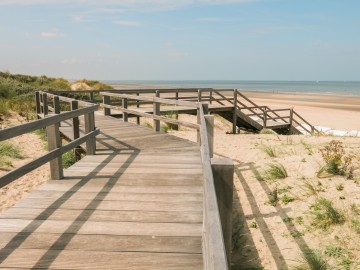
<point x="313" y="128"/>
<point x="51" y="123"/>
<point x="214" y="252"/>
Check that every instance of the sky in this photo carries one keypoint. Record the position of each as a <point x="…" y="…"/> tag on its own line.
<point x="182" y="39"/>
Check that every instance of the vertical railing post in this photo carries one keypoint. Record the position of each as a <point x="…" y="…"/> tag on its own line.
<point x="91" y="94"/>
<point x="234" y="122"/>
<point x="223" y="172"/>
<point x="156" y="111"/>
<point x="209" y="120"/>
<point x="264" y="116"/>
<point x="89" y="119"/>
<point x="76" y="127"/>
<point x="211" y="95"/>
<point x="75" y="120"/>
<point x="177" y="95"/>
<point x="37" y="102"/>
<point x="206" y="111"/>
<point x="125" y="106"/>
<point x="199" y="95"/>
<point x="45" y="105"/>
<point x="138" y="106"/>
<point x="106" y="101"/>
<point x="56" y="104"/>
<point x="291" y="116"/>
<point x="54" y="142"/>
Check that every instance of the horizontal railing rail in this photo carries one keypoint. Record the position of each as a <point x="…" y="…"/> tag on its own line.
<point x="51" y="123"/>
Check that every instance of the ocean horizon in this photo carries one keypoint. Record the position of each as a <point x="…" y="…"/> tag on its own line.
<point x="350" y="88"/>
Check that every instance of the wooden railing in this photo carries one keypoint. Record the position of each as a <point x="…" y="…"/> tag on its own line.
<point x="51" y="123"/>
<point x="214" y="253"/>
<point x="224" y="97"/>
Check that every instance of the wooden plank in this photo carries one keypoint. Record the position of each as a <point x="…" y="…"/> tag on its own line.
<point x="101" y="228"/>
<point x="103" y="215"/>
<point x="102" y="260"/>
<point x="69" y="185"/>
<point x="105" y="243"/>
<point x="110" y="205"/>
<point x="173" y="197"/>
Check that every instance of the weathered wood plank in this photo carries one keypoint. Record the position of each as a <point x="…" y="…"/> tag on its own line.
<point x="102" y="260"/>
<point x="104" y="215"/>
<point x="101" y="228"/>
<point x="113" y="243"/>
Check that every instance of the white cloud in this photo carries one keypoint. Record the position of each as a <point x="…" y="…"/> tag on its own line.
<point x="127" y="23"/>
<point x="52" y="34"/>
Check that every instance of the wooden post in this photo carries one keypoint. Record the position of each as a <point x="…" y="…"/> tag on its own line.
<point x="138" y="106"/>
<point x="54" y="141"/>
<point x="91" y="96"/>
<point x="45" y="106"/>
<point x="209" y="119"/>
<point x="37" y="102"/>
<point x="291" y="116"/>
<point x="76" y="129"/>
<point x="90" y="126"/>
<point x="56" y="104"/>
<point x="106" y="101"/>
<point x="211" y="96"/>
<point x="264" y="115"/>
<point x="235" y="112"/>
<point x="156" y="111"/>
<point x="177" y="95"/>
<point x="75" y="120"/>
<point x="199" y="95"/>
<point x="206" y="111"/>
<point x="223" y="171"/>
<point x="125" y="105"/>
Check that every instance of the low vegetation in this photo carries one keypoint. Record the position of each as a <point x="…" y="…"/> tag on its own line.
<point x="17" y="91"/>
<point x="325" y="214"/>
<point x="8" y="152"/>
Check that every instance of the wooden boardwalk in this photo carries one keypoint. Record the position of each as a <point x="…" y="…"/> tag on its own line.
<point x="136" y="204"/>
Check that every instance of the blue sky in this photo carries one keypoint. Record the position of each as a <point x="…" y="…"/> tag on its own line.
<point x="182" y="39"/>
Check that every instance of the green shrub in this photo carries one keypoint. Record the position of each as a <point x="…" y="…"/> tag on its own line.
<point x="68" y="159"/>
<point x="325" y="214"/>
<point x="336" y="160"/>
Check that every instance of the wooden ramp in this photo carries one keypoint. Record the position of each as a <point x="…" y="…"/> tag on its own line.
<point x="136" y="204"/>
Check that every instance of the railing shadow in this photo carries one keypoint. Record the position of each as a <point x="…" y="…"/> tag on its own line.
<point x="242" y="260"/>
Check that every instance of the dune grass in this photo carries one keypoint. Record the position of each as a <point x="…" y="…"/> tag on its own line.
<point x="275" y="171"/>
<point x="325" y="214"/>
<point x="312" y="260"/>
<point x="8" y="152"/>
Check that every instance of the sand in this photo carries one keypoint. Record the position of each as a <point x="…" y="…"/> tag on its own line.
<point x="31" y="147"/>
<point x="272" y="236"/>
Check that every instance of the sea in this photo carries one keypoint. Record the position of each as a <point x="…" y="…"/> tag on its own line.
<point x="348" y="88"/>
